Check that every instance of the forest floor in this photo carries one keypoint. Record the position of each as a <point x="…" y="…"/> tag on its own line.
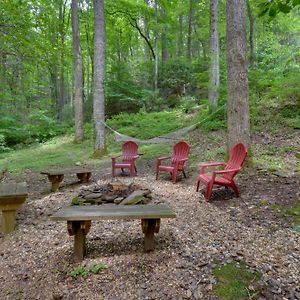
<point x="36" y="259"/>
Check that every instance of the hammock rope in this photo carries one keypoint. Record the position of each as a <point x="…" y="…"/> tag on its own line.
<point x="166" y="138"/>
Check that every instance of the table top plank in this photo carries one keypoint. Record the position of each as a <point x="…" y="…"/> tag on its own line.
<point x="13" y="189"/>
<point x="84" y="213"/>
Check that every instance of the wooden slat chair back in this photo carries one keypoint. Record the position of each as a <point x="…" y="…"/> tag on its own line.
<point x="179" y="157"/>
<point x="128" y="157"/>
<point x="223" y="177"/>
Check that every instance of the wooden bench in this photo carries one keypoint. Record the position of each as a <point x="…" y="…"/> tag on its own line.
<point x="79" y="221"/>
<point x="56" y="176"/>
<point x="12" y="196"/>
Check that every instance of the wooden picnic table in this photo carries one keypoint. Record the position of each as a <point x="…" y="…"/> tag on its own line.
<point x="79" y="221"/>
<point x="12" y="196"/>
<point x="56" y="176"/>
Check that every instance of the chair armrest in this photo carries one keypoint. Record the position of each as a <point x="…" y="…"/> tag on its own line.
<point x="220" y="172"/>
<point x="163" y="158"/>
<point x="206" y="165"/>
<point x="115" y="157"/>
<point x="227" y="171"/>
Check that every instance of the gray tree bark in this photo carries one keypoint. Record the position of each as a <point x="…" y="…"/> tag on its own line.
<point x="78" y="75"/>
<point x="214" y="72"/>
<point x="156" y="48"/>
<point x="164" y="50"/>
<point x="180" y="36"/>
<point x="99" y="71"/>
<point x="238" y="124"/>
<point x="189" y="34"/>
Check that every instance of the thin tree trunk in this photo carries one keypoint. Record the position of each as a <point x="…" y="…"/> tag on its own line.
<point x="164" y="50"/>
<point x="214" y="72"/>
<point x="156" y="49"/>
<point x="189" y="35"/>
<point x="251" y="32"/>
<point x="78" y="76"/>
<point x="146" y="29"/>
<point x="99" y="68"/>
<point x="238" y="123"/>
<point x="180" y="37"/>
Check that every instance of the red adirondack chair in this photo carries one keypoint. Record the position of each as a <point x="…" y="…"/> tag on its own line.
<point x="224" y="177"/>
<point x="178" y="158"/>
<point x="129" y="155"/>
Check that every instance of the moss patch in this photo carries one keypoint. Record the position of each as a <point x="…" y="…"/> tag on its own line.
<point x="233" y="280"/>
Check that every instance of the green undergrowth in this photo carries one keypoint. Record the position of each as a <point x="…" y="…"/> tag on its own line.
<point x="233" y="281"/>
<point x="84" y="271"/>
<point x="292" y="212"/>
<point x="60" y="151"/>
<point x="272" y="158"/>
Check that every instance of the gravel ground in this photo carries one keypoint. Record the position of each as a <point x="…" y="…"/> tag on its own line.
<point x="36" y="259"/>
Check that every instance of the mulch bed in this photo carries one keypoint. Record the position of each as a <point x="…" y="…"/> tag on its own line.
<point x="36" y="260"/>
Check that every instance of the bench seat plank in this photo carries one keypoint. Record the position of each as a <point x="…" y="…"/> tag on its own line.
<point x="85" y="213"/>
<point x="56" y="176"/>
<point x="64" y="171"/>
<point x="10" y="190"/>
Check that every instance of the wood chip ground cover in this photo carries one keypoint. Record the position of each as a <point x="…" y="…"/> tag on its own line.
<point x="36" y="260"/>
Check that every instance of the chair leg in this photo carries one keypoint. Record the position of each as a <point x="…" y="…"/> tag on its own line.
<point x="113" y="171"/>
<point x="132" y="173"/>
<point x="208" y="191"/>
<point x="235" y="189"/>
<point x="174" y="175"/>
<point x="198" y="185"/>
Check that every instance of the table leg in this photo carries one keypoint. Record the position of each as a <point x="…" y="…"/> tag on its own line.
<point x="149" y="227"/>
<point x="79" y="229"/>
<point x="84" y="177"/>
<point x="55" y="181"/>
<point x="8" y="221"/>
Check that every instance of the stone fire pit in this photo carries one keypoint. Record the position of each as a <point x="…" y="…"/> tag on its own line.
<point x="115" y="192"/>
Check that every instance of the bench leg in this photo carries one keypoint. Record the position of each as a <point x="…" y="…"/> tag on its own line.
<point x="55" y="181"/>
<point x="79" y="229"/>
<point x="149" y="227"/>
<point x="8" y="221"/>
<point x="84" y="177"/>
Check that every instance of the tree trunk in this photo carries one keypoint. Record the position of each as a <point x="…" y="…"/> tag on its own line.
<point x="146" y="30"/>
<point x="164" y="51"/>
<point x="78" y="76"/>
<point x="189" y="35"/>
<point x="251" y="32"/>
<point x="99" y="69"/>
<point x="156" y="49"/>
<point x="214" y="72"/>
<point x="180" y="37"/>
<point x="238" y="123"/>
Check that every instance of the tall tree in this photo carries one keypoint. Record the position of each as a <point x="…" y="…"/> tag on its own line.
<point x="99" y="70"/>
<point x="189" y="34"/>
<point x="214" y="72"/>
<point x="238" y="123"/>
<point x="164" y="49"/>
<point x="156" y="46"/>
<point x="78" y="74"/>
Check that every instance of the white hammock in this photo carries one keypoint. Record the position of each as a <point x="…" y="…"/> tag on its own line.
<point x="162" y="139"/>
